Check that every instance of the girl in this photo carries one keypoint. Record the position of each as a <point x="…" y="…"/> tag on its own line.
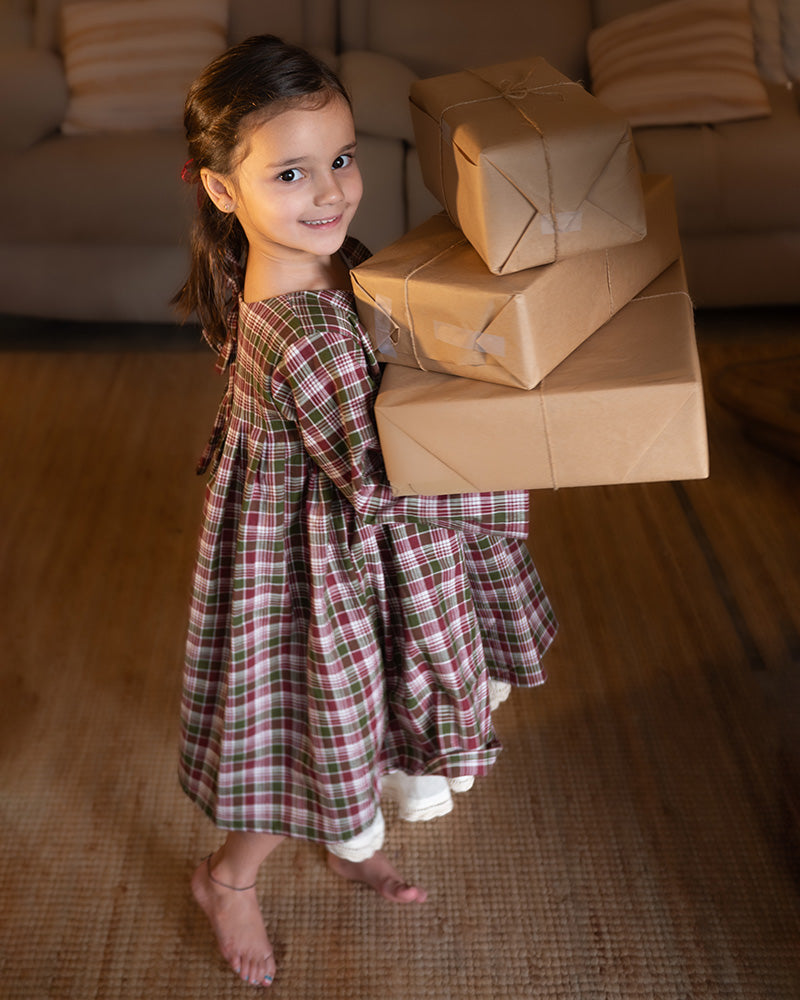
<point x="336" y="633"/>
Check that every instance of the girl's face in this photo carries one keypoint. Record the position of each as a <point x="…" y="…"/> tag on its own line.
<point x="298" y="187"/>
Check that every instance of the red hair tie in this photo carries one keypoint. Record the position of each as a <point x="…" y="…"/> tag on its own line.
<point x="188" y="175"/>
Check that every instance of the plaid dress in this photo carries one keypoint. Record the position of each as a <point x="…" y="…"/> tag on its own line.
<point x="336" y="631"/>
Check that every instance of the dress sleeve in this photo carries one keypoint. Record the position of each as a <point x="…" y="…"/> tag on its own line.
<point x="326" y="384"/>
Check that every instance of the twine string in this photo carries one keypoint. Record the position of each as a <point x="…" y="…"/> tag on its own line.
<point x="609" y="284"/>
<point x="409" y="315"/>
<point x="512" y="91"/>
<point x="547" y="440"/>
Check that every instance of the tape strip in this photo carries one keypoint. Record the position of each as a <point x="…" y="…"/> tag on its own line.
<point x="472" y="342"/>
<point x="385" y="326"/>
<point x="566" y="222"/>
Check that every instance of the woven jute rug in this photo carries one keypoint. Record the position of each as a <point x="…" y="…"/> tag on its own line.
<point x="630" y="843"/>
<point x="566" y="874"/>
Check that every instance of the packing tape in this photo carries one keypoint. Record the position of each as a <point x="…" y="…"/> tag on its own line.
<point x="474" y="343"/>
<point x="385" y="327"/>
<point x="566" y="222"/>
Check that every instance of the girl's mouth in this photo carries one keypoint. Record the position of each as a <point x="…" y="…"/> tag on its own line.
<point x="322" y="223"/>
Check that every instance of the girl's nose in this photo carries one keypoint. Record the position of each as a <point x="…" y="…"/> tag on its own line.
<point x="328" y="191"/>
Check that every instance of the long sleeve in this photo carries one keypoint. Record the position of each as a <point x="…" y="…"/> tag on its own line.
<point x="325" y="382"/>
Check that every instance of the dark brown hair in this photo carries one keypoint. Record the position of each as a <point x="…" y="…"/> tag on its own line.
<point x="245" y="86"/>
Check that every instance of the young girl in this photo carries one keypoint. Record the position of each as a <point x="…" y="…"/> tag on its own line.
<point x="336" y="633"/>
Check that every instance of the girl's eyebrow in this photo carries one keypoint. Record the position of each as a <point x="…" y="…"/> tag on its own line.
<point x="302" y="159"/>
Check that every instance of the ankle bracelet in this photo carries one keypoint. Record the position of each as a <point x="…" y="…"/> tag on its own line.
<point x="216" y="881"/>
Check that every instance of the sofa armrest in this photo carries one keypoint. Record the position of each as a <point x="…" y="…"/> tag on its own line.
<point x="378" y="86"/>
<point x="33" y="96"/>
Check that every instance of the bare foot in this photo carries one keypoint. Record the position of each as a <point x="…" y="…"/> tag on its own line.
<point x="236" y="919"/>
<point x="381" y="875"/>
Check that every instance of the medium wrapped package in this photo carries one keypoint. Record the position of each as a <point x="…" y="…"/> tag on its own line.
<point x="625" y="407"/>
<point x="429" y="302"/>
<point x="527" y="163"/>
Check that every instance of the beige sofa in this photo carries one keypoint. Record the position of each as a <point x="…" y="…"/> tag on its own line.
<point x="95" y="226"/>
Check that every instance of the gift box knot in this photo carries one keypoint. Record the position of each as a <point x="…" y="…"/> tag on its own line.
<point x="515" y="92"/>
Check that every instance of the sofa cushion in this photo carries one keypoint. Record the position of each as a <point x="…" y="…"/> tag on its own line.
<point x="434" y="38"/>
<point x="36" y="79"/>
<point x="721" y="184"/>
<point x="311" y="23"/>
<point x="105" y="189"/>
<point x="378" y="86"/>
<point x="129" y="65"/>
<point x="92" y="282"/>
<point x="380" y="218"/>
<point x="681" y="62"/>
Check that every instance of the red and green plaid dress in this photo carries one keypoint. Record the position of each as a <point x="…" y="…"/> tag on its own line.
<point x="336" y="631"/>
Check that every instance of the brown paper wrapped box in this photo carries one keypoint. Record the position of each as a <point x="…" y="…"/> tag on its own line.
<point x="429" y="302"/>
<point x="528" y="164"/>
<point x="626" y="407"/>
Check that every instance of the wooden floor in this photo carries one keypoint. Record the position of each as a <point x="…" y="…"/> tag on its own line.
<point x="643" y="826"/>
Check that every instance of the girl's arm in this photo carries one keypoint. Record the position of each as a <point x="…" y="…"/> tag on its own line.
<point x="326" y="384"/>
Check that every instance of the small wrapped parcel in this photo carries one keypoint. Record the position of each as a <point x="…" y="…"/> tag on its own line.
<point x="625" y="407"/>
<point x="529" y="165"/>
<point x="429" y="302"/>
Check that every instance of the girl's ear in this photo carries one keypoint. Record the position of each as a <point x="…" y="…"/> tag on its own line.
<point x="219" y="190"/>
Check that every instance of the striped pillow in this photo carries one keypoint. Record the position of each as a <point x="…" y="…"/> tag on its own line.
<point x="681" y="62"/>
<point x="129" y="63"/>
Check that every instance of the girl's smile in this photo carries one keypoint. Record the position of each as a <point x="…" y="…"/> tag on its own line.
<point x="324" y="222"/>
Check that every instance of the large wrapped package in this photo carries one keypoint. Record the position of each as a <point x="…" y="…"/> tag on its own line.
<point x="625" y="407"/>
<point x="429" y="302"/>
<point x="528" y="165"/>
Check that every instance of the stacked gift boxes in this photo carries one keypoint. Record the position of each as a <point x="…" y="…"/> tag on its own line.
<point x="540" y="333"/>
